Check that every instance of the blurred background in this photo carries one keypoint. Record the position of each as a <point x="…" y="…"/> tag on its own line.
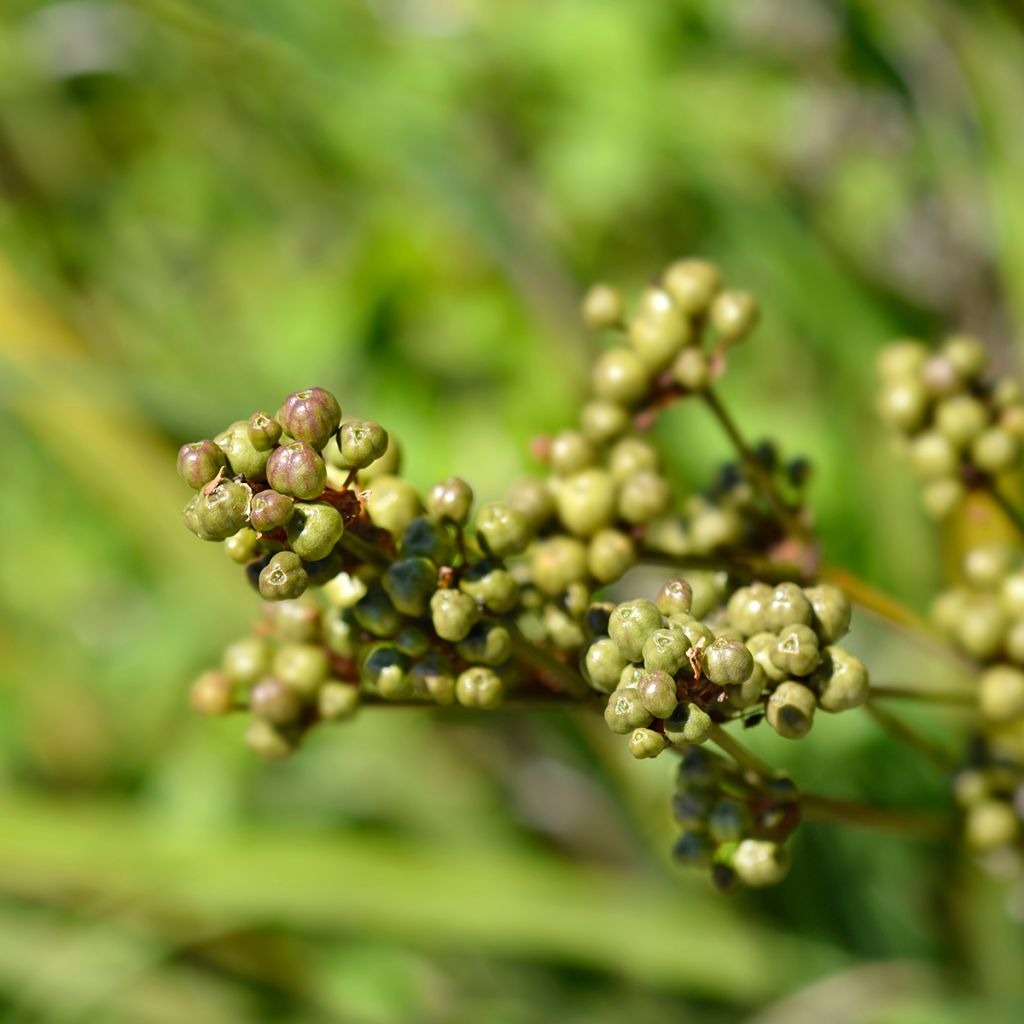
<point x="206" y="205"/>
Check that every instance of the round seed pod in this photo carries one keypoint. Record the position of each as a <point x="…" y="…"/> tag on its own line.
<point x="1011" y="592"/>
<point x="758" y="863"/>
<point x="657" y="337"/>
<point x="570" y="452"/>
<point x="995" y="450"/>
<point x="940" y="377"/>
<point x="729" y="821"/>
<point x="693" y="849"/>
<point x="303" y="667"/>
<point x="199" y="462"/>
<point x="453" y="614"/>
<point x="610" y="555"/>
<point x="603" y="421"/>
<point x="424" y="538"/>
<point x="646" y="743"/>
<point x="387" y="465"/>
<point x="790" y="710"/>
<point x="748" y="693"/>
<point x="903" y="404"/>
<point x="991" y="825"/>
<point x="960" y="419"/>
<point x="269" y="510"/>
<point x="451" y="501"/>
<point x="533" y="500"/>
<point x="314" y="529"/>
<point x="502" y="529"/>
<point x="715" y="528"/>
<point x="312" y="415"/>
<point x="556" y="562"/>
<point x="487" y="643"/>
<point x="244" y="661"/>
<point x="747" y="609"/>
<point x="263" y="431"/>
<point x="657" y="693"/>
<point x="691" y="369"/>
<point x="213" y="693"/>
<point x="602" y="307"/>
<point x="942" y="497"/>
<point x="762" y="646"/>
<point x="901" y="359"/>
<point x="796" y="651"/>
<point x="603" y="665"/>
<point x="224" y="511"/>
<point x="981" y="628"/>
<point x="243" y="459"/>
<point x="479" y="687"/>
<point x="275" y="701"/>
<point x="297" y="470"/>
<point x="492" y="585"/>
<point x="734" y="314"/>
<point x="687" y="724"/>
<point x="643" y="497"/>
<point x="619" y="376"/>
<point x="243" y="546"/>
<point x="985" y="565"/>
<point x="832" y="612"/>
<point x="337" y="702"/>
<point x="409" y="583"/>
<point x="933" y="456"/>
<point x="664" y="650"/>
<point x="392" y="504"/>
<point x="340" y="633"/>
<point x="376" y="614"/>
<point x="692" y="284"/>
<point x="269" y="741"/>
<point x="386" y="668"/>
<point x="788" y="607"/>
<point x="434" y="678"/>
<point x="630" y="456"/>
<point x="675" y="598"/>
<point x="1001" y="693"/>
<point x="727" y="661"/>
<point x="966" y="354"/>
<point x="1015" y="641"/>
<point x="283" y="578"/>
<point x="841" y="681"/>
<point x="626" y="712"/>
<point x="586" y="502"/>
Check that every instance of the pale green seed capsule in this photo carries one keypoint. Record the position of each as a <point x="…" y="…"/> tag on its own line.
<point x="657" y="337"/>
<point x="675" y="598"/>
<point x="487" y="643"/>
<point x="337" y="702"/>
<point x="619" y="376"/>
<point x="243" y="546"/>
<point x="688" y="724"/>
<point x="625" y="712"/>
<point x="942" y="497"/>
<point x="244" y="459"/>
<point x="533" y="499"/>
<point x="631" y="624"/>
<point x="630" y="456"/>
<point x="313" y="529"/>
<point x="901" y="360"/>
<point x="213" y="693"/>
<point x="479" y="687"/>
<point x="268" y="741"/>
<point x="903" y="404"/>
<point x="502" y="529"/>
<point x="246" y="660"/>
<point x="715" y="528"/>
<point x="556" y="562"/>
<point x="691" y="369"/>
<point x="586" y="502"/>
<point x="665" y="651"/>
<point x="603" y="421"/>
<point x="748" y="693"/>
<point x="643" y="497"/>
<point x="657" y="692"/>
<point x="734" y="314"/>
<point x="450" y="500"/>
<point x="981" y="627"/>
<point x="967" y="355"/>
<point x="787" y="607"/>
<point x="761" y="646"/>
<point x="708" y="591"/>
<point x="933" y="456"/>
<point x="392" y="504"/>
<point x="832" y="611"/>
<point x="387" y="465"/>
<point x="994" y="450"/>
<point x="562" y="629"/>
<point x="940" y="378"/>
<point x="841" y="681"/>
<point x="491" y="584"/>
<point x="1001" y="693"/>
<point x="433" y="677"/>
<point x="363" y="442"/>
<point x="759" y="863"/>
<point x="283" y="578"/>
<point x="692" y="284"/>
<point x="646" y="743"/>
<point x="569" y="452"/>
<point x="602" y="307"/>
<point x="610" y="555"/>
<point x="990" y="825"/>
<point x="961" y="419"/>
<point x="453" y="614"/>
<point x="985" y="565"/>
<point x="796" y="651"/>
<point x="728" y="662"/>
<point x="604" y="665"/>
<point x="1012" y="594"/>
<point x="747" y="609"/>
<point x="790" y="710"/>
<point x="303" y="667"/>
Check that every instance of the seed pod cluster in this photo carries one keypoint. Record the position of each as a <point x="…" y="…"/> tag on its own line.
<point x="958" y="428"/>
<point x="734" y="831"/>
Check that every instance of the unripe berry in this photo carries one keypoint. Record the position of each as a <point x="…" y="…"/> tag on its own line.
<point x="727" y="661"/>
<point x="409" y="583"/>
<point x="312" y="416"/>
<point x="556" y="562"/>
<point x="625" y="712"/>
<point x="213" y="693"/>
<point x="675" y="598"/>
<point x="646" y="743"/>
<point x="586" y="502"/>
<point x="610" y="554"/>
<point x="665" y="650"/>
<point x="603" y="421"/>
<point x="533" y="499"/>
<point x="841" y="681"/>
<point x="268" y="741"/>
<point x="274" y="701"/>
<point x="657" y="693"/>
<point x="392" y="504"/>
<point x="487" y="643"/>
<point x="796" y="651"/>
<point x="788" y="606"/>
<point x="1001" y="693"/>
<point x="479" y="687"/>
<point x="502" y="529"/>
<point x="491" y="584"/>
<point x="758" y="862"/>
<point x="244" y="661"/>
<point x="296" y="470"/>
<point x="269" y="510"/>
<point x="363" y="442"/>
<point x="453" y="614"/>
<point x="688" y="724"/>
<point x="692" y="369"/>
<point x="832" y="611"/>
<point x="903" y="404"/>
<point x="199" y="462"/>
<point x="337" y="701"/>
<point x="314" y="529"/>
<point x="631" y="624"/>
<point x="302" y="666"/>
<point x="734" y="314"/>
<point x="450" y="500"/>
<point x="790" y="710"/>
<point x="602" y="307"/>
<point x="620" y="376"/>
<point x="643" y="497"/>
<point x="224" y="510"/>
<point x="263" y="431"/>
<point x="433" y="677"/>
<point x="692" y="285"/>
<point x="243" y="458"/>
<point x="283" y="578"/>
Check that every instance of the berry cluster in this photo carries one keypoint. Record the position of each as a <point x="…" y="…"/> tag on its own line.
<point x="959" y="430"/>
<point x="963" y="432"/>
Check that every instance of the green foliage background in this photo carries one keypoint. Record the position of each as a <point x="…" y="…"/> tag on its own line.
<point x="206" y="205"/>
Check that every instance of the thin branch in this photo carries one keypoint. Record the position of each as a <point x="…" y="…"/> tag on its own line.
<point x="851" y="812"/>
<point x="747" y="760"/>
<point x="939" y="695"/>
<point x="1007" y="507"/>
<point x="536" y="658"/>
<point x="897" y="728"/>
<point x="741" y="566"/>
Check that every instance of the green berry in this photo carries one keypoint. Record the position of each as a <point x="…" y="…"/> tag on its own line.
<point x="665" y="651"/>
<point x="994" y="450"/>
<point x="630" y="456"/>
<point x="413" y="641"/>
<point x="758" y="863"/>
<point x="283" y="578"/>
<point x="275" y="701"/>
<point x="533" y="499"/>
<point x="268" y="741"/>
<point x="788" y="606"/>
<point x="314" y="529"/>
<point x="603" y="421"/>
<point x="556" y="562"/>
<point x="631" y="624"/>
<point x="841" y="681"/>
<point x="643" y="497"/>
<point x="312" y="416"/>
<point x="376" y="614"/>
<point x="625" y="712"/>
<point x="392" y="504"/>
<point x="747" y="609"/>
<point x="646" y="743"/>
<point x="363" y="442"/>
<point x="302" y="666"/>
<point x="762" y="646"/>
<point x="901" y="360"/>
<point x="932" y="456"/>
<point x="602" y="307"/>
<point x="243" y="546"/>
<point x="409" y="583"/>
<point x="453" y="614"/>
<point x="903" y="404"/>
<point x="961" y="419"/>
<point x="263" y="431"/>
<point x="734" y="314"/>
<point x="337" y="702"/>
<point x="492" y="585"/>
<point x="340" y="633"/>
<point x="433" y="677"/>
<point x="991" y="825"/>
<point x="942" y="497"/>
<point x="728" y="662"/>
<point x="344" y="590"/>
<point x="244" y="460"/>
<point x="831" y="610"/>
<point x="387" y="669"/>
<point x="692" y="369"/>
<point x="688" y="724"/>
<point x="966" y="354"/>
<point x="190" y="517"/>
<point x="1001" y="693"/>
<point x="487" y="643"/>
<point x="244" y="661"/>
<point x="982" y="627"/>
<point x="387" y="465"/>
<point x="692" y="285"/>
<point x="610" y="555"/>
<point x="479" y="687"/>
<point x="562" y="629"/>
<point x="604" y="665"/>
<point x="656" y="336"/>
<point x="450" y="501"/>
<point x="224" y="510"/>
<point x="675" y="598"/>
<point x="619" y="376"/>
<point x="427" y="539"/>
<point x="502" y="529"/>
<point x="985" y="565"/>
<point x="796" y="651"/>
<point x="1012" y="594"/>
<point x="296" y="470"/>
<point x="657" y="693"/>
<point x="746" y="694"/>
<point x="729" y="821"/>
<point x="213" y="693"/>
<point x="790" y="710"/>
<point x="270" y="510"/>
<point x="570" y="452"/>
<point x="199" y="462"/>
<point x="586" y="502"/>
<point x="298" y="620"/>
